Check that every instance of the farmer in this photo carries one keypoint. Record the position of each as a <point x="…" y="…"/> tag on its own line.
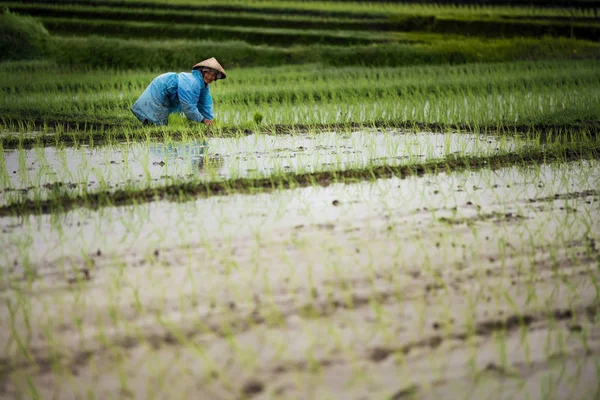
<point x="187" y="92"/>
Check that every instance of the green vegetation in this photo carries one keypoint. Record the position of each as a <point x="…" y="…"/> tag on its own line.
<point x="123" y="54"/>
<point x="489" y="97"/>
<point x="116" y="34"/>
<point x="273" y="36"/>
<point x="186" y="190"/>
<point x="396" y="200"/>
<point x="22" y="38"/>
<point x="85" y="20"/>
<point x="341" y="9"/>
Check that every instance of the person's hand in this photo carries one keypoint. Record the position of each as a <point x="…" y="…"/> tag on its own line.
<point x="208" y="122"/>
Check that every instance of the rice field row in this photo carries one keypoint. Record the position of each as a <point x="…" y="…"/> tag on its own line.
<point x="34" y="174"/>
<point x="416" y="218"/>
<point x="204" y="17"/>
<point x="387" y="22"/>
<point x="331" y="91"/>
<point x="432" y="286"/>
<point x="271" y="36"/>
<point x="363" y="10"/>
<point x="322" y="90"/>
<point x="33" y="77"/>
<point x="404" y="50"/>
<point x="550" y="106"/>
<point x="287" y="33"/>
<point x="469" y="96"/>
<point x="60" y="180"/>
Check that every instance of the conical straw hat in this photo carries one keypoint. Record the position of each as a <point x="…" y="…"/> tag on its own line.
<point x="211" y="63"/>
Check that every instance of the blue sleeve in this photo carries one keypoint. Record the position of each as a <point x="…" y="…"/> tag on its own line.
<point x="205" y="104"/>
<point x="189" y="94"/>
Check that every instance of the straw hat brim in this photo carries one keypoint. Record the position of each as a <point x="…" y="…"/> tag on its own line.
<point x="213" y="64"/>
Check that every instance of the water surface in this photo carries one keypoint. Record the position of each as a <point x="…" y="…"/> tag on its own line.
<point x="33" y="173"/>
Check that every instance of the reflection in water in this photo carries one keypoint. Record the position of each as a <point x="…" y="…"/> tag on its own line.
<point x="195" y="152"/>
<point x="192" y="151"/>
<point x="32" y="173"/>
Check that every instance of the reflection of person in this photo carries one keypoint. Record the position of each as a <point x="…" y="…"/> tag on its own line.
<point x="195" y="152"/>
<point x="187" y="91"/>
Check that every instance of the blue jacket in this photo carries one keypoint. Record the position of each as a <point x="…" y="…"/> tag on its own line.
<point x="172" y="92"/>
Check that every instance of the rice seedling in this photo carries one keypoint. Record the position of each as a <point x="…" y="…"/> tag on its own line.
<point x="241" y="286"/>
<point x="468" y="98"/>
<point x="360" y="222"/>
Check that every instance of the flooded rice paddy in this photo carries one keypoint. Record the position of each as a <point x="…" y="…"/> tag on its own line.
<point x="55" y="237"/>
<point x="448" y="285"/>
<point x="36" y="173"/>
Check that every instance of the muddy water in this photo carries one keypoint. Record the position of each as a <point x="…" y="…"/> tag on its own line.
<point x="441" y="286"/>
<point x="162" y="224"/>
<point x="39" y="171"/>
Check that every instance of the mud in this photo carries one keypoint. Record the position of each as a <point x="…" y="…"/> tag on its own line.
<point x="474" y="284"/>
<point x="41" y="172"/>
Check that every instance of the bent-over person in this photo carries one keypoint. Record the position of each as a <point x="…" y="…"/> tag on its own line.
<point x="186" y="92"/>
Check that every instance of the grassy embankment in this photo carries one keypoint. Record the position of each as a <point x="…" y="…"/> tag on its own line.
<point x="270" y="34"/>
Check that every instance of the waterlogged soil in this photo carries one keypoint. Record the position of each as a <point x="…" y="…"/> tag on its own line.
<point x="40" y="172"/>
<point x="474" y="284"/>
<point x="5" y="133"/>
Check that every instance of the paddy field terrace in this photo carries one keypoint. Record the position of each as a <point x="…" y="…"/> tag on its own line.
<point x="396" y="201"/>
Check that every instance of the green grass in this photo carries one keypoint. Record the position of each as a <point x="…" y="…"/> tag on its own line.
<point x="87" y="20"/>
<point x="168" y="54"/>
<point x="118" y="36"/>
<point x="204" y="17"/>
<point x="471" y="97"/>
<point x="337" y="9"/>
<point x="23" y="38"/>
<point x="160" y="31"/>
<point x="33" y="77"/>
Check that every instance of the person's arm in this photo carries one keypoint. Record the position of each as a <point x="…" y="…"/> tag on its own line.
<point x="205" y="106"/>
<point x="189" y="92"/>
